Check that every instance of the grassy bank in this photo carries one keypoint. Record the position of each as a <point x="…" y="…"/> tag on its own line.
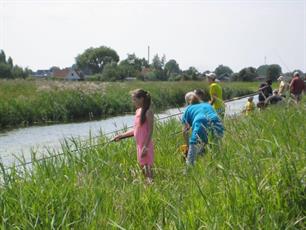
<point x="255" y="180"/>
<point x="36" y="102"/>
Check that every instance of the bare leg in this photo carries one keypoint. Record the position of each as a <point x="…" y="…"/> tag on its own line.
<point x="147" y="171"/>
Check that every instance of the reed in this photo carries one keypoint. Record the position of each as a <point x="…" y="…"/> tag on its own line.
<point x="24" y="102"/>
<point x="254" y="180"/>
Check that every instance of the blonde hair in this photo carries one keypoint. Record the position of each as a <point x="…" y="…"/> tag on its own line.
<point x="191" y="98"/>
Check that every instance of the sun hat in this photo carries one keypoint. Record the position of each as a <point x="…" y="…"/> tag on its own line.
<point x="296" y="74"/>
<point x="211" y="76"/>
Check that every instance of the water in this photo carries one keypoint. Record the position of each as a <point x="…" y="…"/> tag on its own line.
<point x="20" y="142"/>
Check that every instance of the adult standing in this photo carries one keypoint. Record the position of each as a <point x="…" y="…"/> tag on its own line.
<point x="297" y="87"/>
<point x="215" y="92"/>
<point x="283" y="86"/>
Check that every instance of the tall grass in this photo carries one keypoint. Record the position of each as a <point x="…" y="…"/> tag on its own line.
<point x="36" y="102"/>
<point x="254" y="180"/>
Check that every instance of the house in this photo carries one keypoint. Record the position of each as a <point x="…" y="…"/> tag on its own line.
<point x="68" y="74"/>
<point x="260" y="78"/>
<point x="41" y="73"/>
<point x="224" y="77"/>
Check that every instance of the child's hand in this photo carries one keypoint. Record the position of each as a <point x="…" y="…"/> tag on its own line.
<point x="186" y="128"/>
<point x="117" y="138"/>
<point x="144" y="151"/>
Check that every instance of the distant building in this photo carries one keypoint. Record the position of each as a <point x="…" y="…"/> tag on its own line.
<point x="260" y="78"/>
<point x="68" y="74"/>
<point x="224" y="77"/>
<point x="130" y="78"/>
<point x="42" y="73"/>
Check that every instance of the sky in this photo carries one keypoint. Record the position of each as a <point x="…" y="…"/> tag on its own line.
<point x="42" y="33"/>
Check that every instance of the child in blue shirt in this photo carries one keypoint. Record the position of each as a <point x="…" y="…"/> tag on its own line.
<point x="202" y="118"/>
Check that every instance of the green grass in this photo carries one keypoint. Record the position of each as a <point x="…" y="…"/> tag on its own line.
<point x="24" y="102"/>
<point x="254" y="180"/>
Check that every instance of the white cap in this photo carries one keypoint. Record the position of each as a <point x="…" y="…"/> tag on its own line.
<point x="296" y="74"/>
<point x="211" y="76"/>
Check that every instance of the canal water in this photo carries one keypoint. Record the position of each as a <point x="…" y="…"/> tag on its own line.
<point x="21" y="142"/>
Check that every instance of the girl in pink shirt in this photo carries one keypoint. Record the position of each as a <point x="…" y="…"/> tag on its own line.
<point x="142" y="131"/>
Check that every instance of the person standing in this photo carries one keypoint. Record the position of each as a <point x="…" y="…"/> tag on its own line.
<point x="215" y="92"/>
<point x="283" y="86"/>
<point x="142" y="131"/>
<point x="297" y="87"/>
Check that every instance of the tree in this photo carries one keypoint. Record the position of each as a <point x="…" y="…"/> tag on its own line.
<point x="157" y="63"/>
<point x="10" y="62"/>
<point x="2" y="57"/>
<point x="192" y="73"/>
<point x="93" y="60"/>
<point x="273" y="72"/>
<point x="223" y="70"/>
<point x="110" y="72"/>
<point x="5" y="70"/>
<point x="126" y="70"/>
<point x="262" y="70"/>
<point x="17" y="72"/>
<point x="8" y="70"/>
<point x="136" y="62"/>
<point x="247" y="74"/>
<point x="172" y="68"/>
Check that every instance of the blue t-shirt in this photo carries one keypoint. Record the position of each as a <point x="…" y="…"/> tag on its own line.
<point x="199" y="117"/>
<point x="199" y="112"/>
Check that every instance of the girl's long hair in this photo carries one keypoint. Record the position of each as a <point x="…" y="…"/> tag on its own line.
<point x="140" y="93"/>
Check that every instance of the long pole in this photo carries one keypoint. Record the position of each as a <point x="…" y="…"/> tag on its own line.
<point x="148" y="54"/>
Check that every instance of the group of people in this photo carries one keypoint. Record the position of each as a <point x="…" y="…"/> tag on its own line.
<point x="293" y="89"/>
<point x="202" y="120"/>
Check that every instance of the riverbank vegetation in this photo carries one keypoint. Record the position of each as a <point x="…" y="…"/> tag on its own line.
<point x="254" y="179"/>
<point x="24" y="102"/>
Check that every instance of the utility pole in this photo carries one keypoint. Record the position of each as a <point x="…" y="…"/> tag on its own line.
<point x="148" y="54"/>
<point x="265" y="60"/>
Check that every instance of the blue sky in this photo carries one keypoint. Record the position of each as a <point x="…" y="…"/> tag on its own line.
<point x="204" y="34"/>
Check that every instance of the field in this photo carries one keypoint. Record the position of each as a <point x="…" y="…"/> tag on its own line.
<point x="24" y="102"/>
<point x="254" y="180"/>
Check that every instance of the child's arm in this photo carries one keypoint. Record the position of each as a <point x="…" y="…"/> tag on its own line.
<point x="186" y="133"/>
<point x="129" y="133"/>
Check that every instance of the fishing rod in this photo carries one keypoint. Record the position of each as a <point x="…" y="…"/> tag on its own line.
<point x="113" y="140"/>
<point x="72" y="151"/>
<point x="174" y="115"/>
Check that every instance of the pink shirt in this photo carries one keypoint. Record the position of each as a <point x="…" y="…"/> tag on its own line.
<point x="140" y="133"/>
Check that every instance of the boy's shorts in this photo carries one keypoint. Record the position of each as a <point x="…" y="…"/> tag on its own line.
<point x="200" y="131"/>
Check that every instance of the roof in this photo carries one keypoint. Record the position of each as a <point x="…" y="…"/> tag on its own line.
<point x="61" y="73"/>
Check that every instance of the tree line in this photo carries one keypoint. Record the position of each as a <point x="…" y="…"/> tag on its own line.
<point x="10" y="71"/>
<point x="103" y="64"/>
